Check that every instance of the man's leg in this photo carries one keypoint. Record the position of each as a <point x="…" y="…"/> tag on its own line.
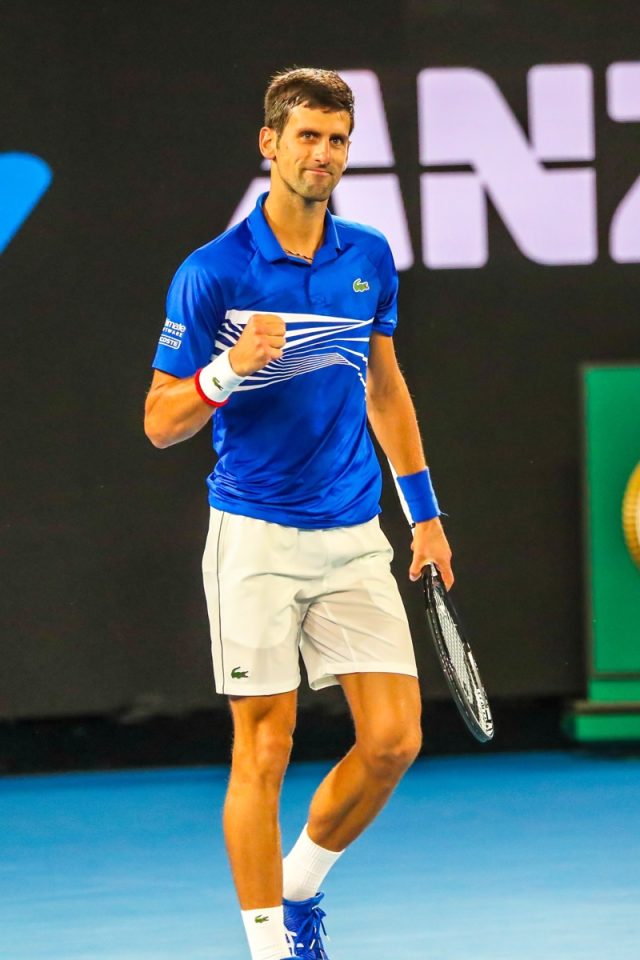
<point x="386" y="712"/>
<point x="263" y="729"/>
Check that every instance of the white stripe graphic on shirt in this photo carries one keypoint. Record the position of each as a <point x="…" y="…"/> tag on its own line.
<point x="313" y="342"/>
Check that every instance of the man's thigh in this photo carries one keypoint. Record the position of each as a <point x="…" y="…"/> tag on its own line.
<point x="385" y="707"/>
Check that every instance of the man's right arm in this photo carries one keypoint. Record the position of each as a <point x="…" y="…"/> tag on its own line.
<point x="175" y="411"/>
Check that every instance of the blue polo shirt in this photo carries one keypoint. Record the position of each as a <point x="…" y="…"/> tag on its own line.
<point x="292" y="442"/>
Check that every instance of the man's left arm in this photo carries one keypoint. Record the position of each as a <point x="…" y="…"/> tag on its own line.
<point x="393" y="418"/>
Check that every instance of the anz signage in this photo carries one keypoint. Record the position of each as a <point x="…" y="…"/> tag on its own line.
<point x="472" y="148"/>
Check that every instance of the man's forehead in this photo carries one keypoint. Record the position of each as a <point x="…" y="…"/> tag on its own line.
<point x="322" y="117"/>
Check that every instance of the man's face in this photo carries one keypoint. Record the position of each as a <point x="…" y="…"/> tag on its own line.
<point x="310" y="155"/>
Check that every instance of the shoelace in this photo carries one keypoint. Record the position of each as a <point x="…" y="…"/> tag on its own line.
<point x="291" y="942"/>
<point x="310" y="931"/>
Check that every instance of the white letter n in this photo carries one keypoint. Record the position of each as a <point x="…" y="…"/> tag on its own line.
<point x="465" y="120"/>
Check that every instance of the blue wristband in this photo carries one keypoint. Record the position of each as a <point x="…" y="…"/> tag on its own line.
<point x="418" y="491"/>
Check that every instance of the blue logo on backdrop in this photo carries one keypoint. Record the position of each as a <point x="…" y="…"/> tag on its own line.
<point x="23" y="180"/>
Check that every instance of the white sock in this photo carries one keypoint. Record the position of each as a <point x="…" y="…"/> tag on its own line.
<point x="305" y="867"/>
<point x="266" y="933"/>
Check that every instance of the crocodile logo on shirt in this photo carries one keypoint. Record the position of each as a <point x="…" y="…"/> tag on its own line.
<point x="261" y="919"/>
<point x="217" y="383"/>
<point x="238" y="674"/>
<point x="360" y="286"/>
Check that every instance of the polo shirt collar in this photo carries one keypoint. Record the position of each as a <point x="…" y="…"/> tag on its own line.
<point x="270" y="248"/>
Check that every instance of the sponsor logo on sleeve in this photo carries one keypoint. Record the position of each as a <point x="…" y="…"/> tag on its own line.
<point x="172" y="334"/>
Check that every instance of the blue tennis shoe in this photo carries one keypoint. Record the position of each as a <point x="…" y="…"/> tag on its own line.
<point x="304" y="921"/>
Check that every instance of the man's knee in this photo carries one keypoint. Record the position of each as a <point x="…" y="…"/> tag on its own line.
<point x="271" y="752"/>
<point x="389" y="753"/>
<point x="261" y="749"/>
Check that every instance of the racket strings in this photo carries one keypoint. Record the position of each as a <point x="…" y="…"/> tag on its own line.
<point x="456" y="659"/>
<point x="455" y="648"/>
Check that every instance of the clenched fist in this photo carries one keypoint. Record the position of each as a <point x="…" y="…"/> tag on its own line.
<point x="261" y="341"/>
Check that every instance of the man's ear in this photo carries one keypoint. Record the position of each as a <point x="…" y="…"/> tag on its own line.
<point x="267" y="143"/>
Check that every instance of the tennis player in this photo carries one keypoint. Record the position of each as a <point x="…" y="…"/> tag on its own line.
<point x="281" y="328"/>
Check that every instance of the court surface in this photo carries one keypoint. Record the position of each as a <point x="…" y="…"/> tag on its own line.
<point x="504" y="857"/>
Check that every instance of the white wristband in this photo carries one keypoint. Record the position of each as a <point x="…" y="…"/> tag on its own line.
<point x="216" y="382"/>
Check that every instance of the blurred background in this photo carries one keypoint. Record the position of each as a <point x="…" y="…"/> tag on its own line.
<point x="498" y="147"/>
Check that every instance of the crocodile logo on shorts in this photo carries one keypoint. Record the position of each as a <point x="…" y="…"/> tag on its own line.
<point x="217" y="383"/>
<point x="360" y="286"/>
<point x="261" y="919"/>
<point x="238" y="674"/>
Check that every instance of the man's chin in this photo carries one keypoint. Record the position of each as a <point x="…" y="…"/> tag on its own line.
<point x="318" y="193"/>
<point x="311" y="192"/>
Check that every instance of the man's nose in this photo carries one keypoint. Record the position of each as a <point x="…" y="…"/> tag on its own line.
<point x="322" y="151"/>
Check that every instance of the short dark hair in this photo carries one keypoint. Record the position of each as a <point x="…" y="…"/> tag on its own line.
<point x="309" y="86"/>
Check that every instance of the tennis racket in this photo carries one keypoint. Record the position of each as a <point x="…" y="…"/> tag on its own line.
<point x="455" y="656"/>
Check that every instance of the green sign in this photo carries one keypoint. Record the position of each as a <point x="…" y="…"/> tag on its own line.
<point x="612" y="454"/>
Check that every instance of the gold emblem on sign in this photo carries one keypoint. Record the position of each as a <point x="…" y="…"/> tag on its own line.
<point x="631" y="515"/>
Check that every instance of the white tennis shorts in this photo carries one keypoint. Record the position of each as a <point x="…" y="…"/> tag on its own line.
<point x="274" y="592"/>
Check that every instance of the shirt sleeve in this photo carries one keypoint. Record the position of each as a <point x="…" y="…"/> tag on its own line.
<point x="194" y="314"/>
<point x="386" y="317"/>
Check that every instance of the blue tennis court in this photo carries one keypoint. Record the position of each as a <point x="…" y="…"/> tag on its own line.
<point x="505" y="857"/>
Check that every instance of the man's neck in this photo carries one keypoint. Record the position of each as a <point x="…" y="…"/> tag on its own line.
<point x="298" y="226"/>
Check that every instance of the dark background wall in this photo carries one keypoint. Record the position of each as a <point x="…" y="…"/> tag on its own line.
<point x="147" y="115"/>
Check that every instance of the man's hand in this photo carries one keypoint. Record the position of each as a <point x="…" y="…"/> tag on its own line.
<point x="430" y="545"/>
<point x="261" y="341"/>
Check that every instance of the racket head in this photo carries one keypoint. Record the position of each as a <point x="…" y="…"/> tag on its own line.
<point x="457" y="660"/>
